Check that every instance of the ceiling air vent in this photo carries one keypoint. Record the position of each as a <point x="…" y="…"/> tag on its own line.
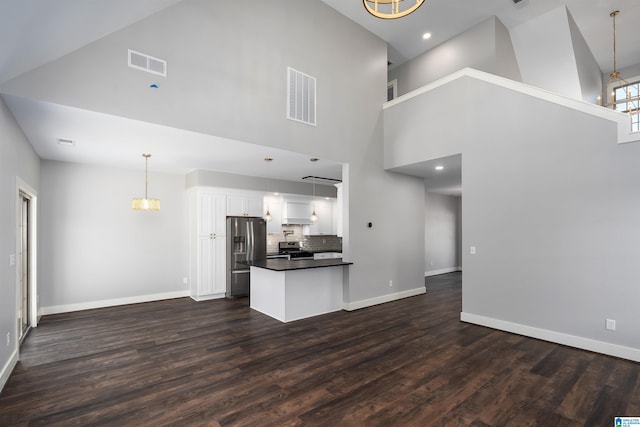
<point x="301" y="99"/>
<point x="144" y="62"/>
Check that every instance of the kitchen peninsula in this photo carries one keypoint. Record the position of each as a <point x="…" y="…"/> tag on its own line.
<point x="291" y="290"/>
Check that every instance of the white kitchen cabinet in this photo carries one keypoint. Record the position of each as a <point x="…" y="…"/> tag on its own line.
<point x="325" y="223"/>
<point x="274" y="205"/>
<point x="207" y="244"/>
<point x="327" y="255"/>
<point x="244" y="205"/>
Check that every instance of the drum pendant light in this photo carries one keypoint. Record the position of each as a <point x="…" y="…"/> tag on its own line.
<point x="146" y="204"/>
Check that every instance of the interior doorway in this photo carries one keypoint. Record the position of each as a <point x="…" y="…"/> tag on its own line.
<point x="24" y="263"/>
<point x="25" y="257"/>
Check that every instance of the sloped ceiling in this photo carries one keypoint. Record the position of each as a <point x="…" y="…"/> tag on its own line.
<point x="41" y="31"/>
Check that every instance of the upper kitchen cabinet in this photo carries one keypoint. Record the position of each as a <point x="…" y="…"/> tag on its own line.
<point x="274" y="205"/>
<point x="325" y="225"/>
<point x="244" y="204"/>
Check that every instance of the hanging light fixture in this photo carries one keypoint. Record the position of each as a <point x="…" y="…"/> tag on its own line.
<point x="267" y="215"/>
<point x="391" y="9"/>
<point x="314" y="217"/>
<point x="628" y="102"/>
<point x="146" y="204"/>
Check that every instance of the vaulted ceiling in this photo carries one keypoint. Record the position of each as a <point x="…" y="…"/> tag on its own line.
<point x="36" y="32"/>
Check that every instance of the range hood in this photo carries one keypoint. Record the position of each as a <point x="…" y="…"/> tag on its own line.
<point x="296" y="213"/>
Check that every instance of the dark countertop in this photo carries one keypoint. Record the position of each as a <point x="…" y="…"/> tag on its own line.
<point x="280" y="264"/>
<point x="319" y="251"/>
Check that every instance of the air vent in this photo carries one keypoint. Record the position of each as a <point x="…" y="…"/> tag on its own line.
<point x="144" y="62"/>
<point x="301" y="99"/>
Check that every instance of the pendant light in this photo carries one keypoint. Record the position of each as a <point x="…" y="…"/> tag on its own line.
<point x="267" y="216"/>
<point x="629" y="103"/>
<point x="146" y="204"/>
<point x="314" y="217"/>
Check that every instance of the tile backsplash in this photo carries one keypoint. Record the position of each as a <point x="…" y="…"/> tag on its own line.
<point x="311" y="243"/>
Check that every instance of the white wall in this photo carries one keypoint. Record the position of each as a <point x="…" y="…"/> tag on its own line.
<point x="96" y="249"/>
<point x="227" y="77"/>
<point x="443" y="233"/>
<point x="553" y="55"/>
<point x="485" y="47"/>
<point x="17" y="158"/>
<point x="551" y="204"/>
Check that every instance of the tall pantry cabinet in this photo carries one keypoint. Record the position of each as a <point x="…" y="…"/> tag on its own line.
<point x="207" y="244"/>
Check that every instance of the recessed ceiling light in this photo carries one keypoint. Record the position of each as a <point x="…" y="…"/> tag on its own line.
<point x="439" y="167"/>
<point x="426" y="36"/>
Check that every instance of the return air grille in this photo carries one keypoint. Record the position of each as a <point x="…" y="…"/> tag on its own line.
<point x="144" y="62"/>
<point x="301" y="99"/>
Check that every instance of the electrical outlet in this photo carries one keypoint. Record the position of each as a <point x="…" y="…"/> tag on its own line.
<point x="611" y="325"/>
<point x="185" y="281"/>
<point x="390" y="282"/>
<point x="8" y="338"/>
<point x="472" y="250"/>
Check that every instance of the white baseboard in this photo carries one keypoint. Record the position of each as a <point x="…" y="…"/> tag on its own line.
<point x="206" y="297"/>
<point x="111" y="302"/>
<point x="441" y="271"/>
<point x="350" y="306"/>
<point x="556" y="337"/>
<point x="7" y="369"/>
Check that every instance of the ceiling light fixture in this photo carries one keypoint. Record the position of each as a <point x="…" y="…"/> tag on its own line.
<point x="267" y="215"/>
<point x="621" y="97"/>
<point x="426" y="36"/>
<point x="314" y="217"/>
<point x="439" y="167"/>
<point x="391" y="9"/>
<point x="146" y="204"/>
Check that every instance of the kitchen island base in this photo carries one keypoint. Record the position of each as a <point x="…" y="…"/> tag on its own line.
<point x="296" y="294"/>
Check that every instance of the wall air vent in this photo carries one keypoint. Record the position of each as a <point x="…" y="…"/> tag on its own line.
<point x="144" y="62"/>
<point x="301" y="97"/>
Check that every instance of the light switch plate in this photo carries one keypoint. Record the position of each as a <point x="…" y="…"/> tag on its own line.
<point x="12" y="260"/>
<point x="472" y="250"/>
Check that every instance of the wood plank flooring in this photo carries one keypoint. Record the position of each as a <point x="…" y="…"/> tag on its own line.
<point x="407" y="363"/>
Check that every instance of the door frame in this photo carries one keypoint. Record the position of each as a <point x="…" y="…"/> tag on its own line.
<point x="22" y="188"/>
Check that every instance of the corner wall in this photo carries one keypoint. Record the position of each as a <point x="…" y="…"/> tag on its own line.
<point x="551" y="206"/>
<point x="485" y="47"/>
<point x="96" y="250"/>
<point x="17" y="158"/>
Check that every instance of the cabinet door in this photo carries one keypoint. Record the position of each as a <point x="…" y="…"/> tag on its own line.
<point x="219" y="264"/>
<point x="244" y="205"/>
<point x="206" y="268"/>
<point x="274" y="204"/>
<point x="236" y="206"/>
<point x="324" y="224"/>
<point x="211" y="214"/>
<point x="254" y="206"/>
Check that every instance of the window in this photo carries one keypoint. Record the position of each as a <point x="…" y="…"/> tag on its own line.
<point x="627" y="100"/>
<point x="392" y="89"/>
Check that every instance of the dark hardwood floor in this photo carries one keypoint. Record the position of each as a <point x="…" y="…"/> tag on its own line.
<point x="409" y="362"/>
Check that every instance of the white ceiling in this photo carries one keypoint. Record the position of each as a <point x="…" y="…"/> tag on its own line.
<point x="40" y="31"/>
<point x="447" y="18"/>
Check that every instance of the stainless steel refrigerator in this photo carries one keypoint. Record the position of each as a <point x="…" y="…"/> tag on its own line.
<point x="246" y="241"/>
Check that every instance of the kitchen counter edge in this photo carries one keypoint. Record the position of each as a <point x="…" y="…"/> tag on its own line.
<point x="303" y="264"/>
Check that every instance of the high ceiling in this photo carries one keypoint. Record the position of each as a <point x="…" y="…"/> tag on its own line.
<point x="447" y="18"/>
<point x="35" y="32"/>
